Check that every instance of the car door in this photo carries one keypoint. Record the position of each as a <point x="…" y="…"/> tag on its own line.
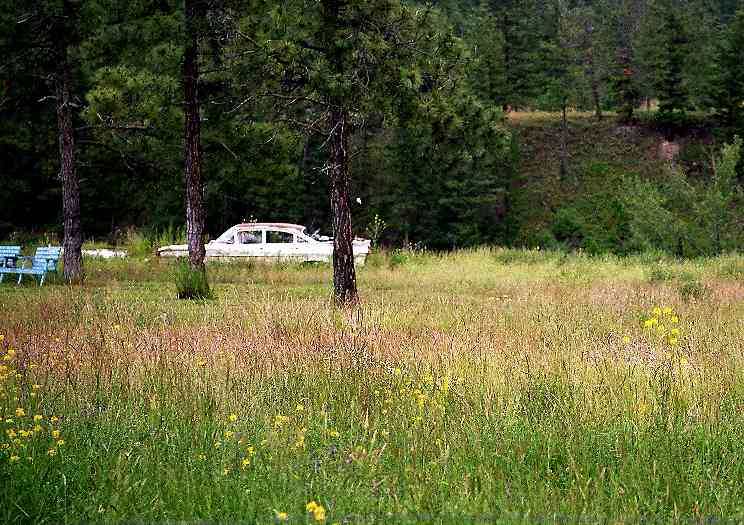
<point x="308" y="249"/>
<point x="279" y="245"/>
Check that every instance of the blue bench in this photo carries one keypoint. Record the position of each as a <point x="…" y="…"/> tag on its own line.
<point x="8" y="259"/>
<point x="44" y="261"/>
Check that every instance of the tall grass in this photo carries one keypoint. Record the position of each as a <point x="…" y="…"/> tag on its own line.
<point x="478" y="387"/>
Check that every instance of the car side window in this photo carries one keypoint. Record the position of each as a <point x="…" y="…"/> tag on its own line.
<point x="276" y="237"/>
<point x="249" y="237"/>
<point x="300" y="238"/>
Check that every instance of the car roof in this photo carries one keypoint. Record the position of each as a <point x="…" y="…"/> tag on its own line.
<point x="270" y="225"/>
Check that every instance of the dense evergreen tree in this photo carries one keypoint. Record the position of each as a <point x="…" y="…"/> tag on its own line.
<point x="519" y="23"/>
<point x="339" y="62"/>
<point x="728" y="83"/>
<point x="669" y="60"/>
<point x="40" y="38"/>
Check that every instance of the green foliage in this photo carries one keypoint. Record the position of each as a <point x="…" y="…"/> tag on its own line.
<point x="191" y="283"/>
<point x="431" y="152"/>
<point x="716" y="207"/>
<point x="671" y="50"/>
<point x="626" y="91"/>
<point x="728" y="83"/>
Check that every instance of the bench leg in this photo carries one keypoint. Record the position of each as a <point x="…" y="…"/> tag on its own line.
<point x="20" y="275"/>
<point x="1" y="277"/>
<point x="41" y="283"/>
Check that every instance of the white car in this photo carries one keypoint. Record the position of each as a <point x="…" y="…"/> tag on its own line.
<point x="271" y="241"/>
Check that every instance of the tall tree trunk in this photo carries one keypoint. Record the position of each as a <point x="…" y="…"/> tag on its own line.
<point x="344" y="275"/>
<point x="564" y="141"/>
<point x="192" y="141"/>
<point x="73" y="240"/>
<point x="590" y="67"/>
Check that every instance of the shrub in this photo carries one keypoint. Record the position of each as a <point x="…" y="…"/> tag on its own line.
<point x="191" y="283"/>
<point x="137" y="245"/>
<point x="691" y="288"/>
<point x="659" y="273"/>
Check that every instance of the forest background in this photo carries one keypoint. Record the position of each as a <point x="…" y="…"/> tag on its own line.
<point x="601" y="125"/>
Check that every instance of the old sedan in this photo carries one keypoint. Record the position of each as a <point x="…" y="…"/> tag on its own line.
<point x="270" y="241"/>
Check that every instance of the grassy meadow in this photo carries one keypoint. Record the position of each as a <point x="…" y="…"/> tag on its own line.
<point x="486" y="386"/>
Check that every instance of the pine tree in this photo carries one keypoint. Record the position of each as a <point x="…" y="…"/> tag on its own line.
<point x="619" y="56"/>
<point x="333" y="65"/>
<point x="42" y="44"/>
<point x="520" y="26"/>
<point x="671" y="52"/>
<point x="728" y="86"/>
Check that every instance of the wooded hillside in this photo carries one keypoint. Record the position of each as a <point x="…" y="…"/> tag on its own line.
<point x="461" y="118"/>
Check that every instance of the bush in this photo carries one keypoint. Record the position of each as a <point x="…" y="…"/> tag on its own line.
<point x="659" y="273"/>
<point x="190" y="283"/>
<point x="137" y="245"/>
<point x="691" y="288"/>
<point x="399" y="257"/>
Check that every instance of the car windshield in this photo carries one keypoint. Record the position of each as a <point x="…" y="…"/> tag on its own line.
<point x="227" y="237"/>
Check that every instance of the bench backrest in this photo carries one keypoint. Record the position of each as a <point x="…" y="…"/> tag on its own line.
<point x="46" y="258"/>
<point x="9" y="251"/>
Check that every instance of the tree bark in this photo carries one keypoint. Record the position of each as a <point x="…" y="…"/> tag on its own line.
<point x="590" y="67"/>
<point x="73" y="233"/>
<point x="564" y="141"/>
<point x="344" y="274"/>
<point x="192" y="142"/>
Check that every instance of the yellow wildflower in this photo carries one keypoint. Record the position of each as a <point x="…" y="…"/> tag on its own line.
<point x="55" y="434"/>
<point x="299" y="407"/>
<point x="19" y="412"/>
<point x="397" y="371"/>
<point x="333" y="433"/>
<point x="674" y="331"/>
<point x="626" y="339"/>
<point x="667" y="310"/>
<point x="281" y="516"/>
<point x="36" y="387"/>
<point x="245" y="462"/>
<point x="52" y="452"/>
<point x="229" y="434"/>
<point x="280" y="421"/>
<point x="38" y="428"/>
<point x="38" y="417"/>
<point x="317" y="510"/>
<point x="656" y="311"/>
<point x="232" y="418"/>
<point x="225" y="471"/>
<point x="14" y="458"/>
<point x="672" y="340"/>
<point x="674" y="319"/>
<point x="60" y="442"/>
